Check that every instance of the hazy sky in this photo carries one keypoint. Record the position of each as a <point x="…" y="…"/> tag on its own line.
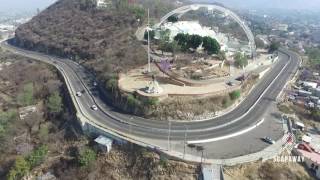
<point x="23" y="5"/>
<point x="283" y="4"/>
<point x="32" y="5"/>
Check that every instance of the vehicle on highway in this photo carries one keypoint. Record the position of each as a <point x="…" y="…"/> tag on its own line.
<point x="230" y="83"/>
<point x="94" y="107"/>
<point x="268" y="140"/>
<point x="79" y="94"/>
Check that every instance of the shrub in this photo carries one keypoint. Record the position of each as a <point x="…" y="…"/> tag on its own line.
<point x="226" y="102"/>
<point x="173" y="19"/>
<point x="20" y="169"/>
<point x="86" y="157"/>
<point x="241" y="60"/>
<point x="25" y="98"/>
<point x="235" y="95"/>
<point x="5" y="118"/>
<point x="316" y="114"/>
<point x="112" y="84"/>
<point x="151" y="101"/>
<point x="132" y="101"/>
<point x="37" y="156"/>
<point x="163" y="162"/>
<point x="54" y="103"/>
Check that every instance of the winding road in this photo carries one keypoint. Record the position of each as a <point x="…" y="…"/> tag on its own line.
<point x="248" y="113"/>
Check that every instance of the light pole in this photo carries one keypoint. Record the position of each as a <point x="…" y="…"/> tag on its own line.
<point x="185" y="141"/>
<point x="169" y="131"/>
<point x="148" y="29"/>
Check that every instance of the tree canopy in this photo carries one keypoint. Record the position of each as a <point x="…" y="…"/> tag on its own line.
<point x="173" y="19"/>
<point x="274" y="46"/>
<point x="26" y="98"/>
<point x="86" y="157"/>
<point x="54" y="103"/>
<point x="241" y="60"/>
<point x="211" y="45"/>
<point x="314" y="56"/>
<point x="187" y="41"/>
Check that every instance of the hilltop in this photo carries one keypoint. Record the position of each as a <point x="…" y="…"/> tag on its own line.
<point x="103" y="39"/>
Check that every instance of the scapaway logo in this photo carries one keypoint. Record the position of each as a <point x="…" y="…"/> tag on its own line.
<point x="286" y="159"/>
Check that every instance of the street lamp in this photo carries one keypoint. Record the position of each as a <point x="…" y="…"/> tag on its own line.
<point x="149" y="29"/>
<point x="185" y="140"/>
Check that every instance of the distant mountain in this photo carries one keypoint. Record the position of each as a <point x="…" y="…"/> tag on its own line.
<point x="258" y="4"/>
<point x="17" y="6"/>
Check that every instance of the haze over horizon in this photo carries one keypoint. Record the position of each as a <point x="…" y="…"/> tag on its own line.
<point x="17" y="6"/>
<point x="270" y="4"/>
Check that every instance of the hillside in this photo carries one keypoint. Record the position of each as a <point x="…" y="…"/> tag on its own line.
<point x="80" y="31"/>
<point x="103" y="39"/>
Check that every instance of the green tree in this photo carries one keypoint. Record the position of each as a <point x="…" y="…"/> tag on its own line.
<point x="5" y="118"/>
<point x="112" y="84"/>
<point x="194" y="41"/>
<point x="173" y="19"/>
<point x="315" y="114"/>
<point x="86" y="157"/>
<point x="139" y="12"/>
<point x="211" y="45"/>
<point x="54" y="103"/>
<point x="314" y="56"/>
<point x="20" y="169"/>
<point x="132" y="101"/>
<point x="151" y="34"/>
<point x="241" y="60"/>
<point x="165" y="46"/>
<point x="235" y="95"/>
<point x="222" y="55"/>
<point x="151" y="101"/>
<point x="259" y="43"/>
<point x="26" y="97"/>
<point x="181" y="38"/>
<point x="37" y="156"/>
<point x="165" y="35"/>
<point x="274" y="47"/>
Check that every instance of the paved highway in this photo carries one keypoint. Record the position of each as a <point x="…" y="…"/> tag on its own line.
<point x="248" y="113"/>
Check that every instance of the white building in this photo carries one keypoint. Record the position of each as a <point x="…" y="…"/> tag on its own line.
<point x="103" y="3"/>
<point x="310" y="84"/>
<point x="104" y="142"/>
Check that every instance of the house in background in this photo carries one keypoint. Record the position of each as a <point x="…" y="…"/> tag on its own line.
<point x="311" y="158"/>
<point x="103" y="3"/>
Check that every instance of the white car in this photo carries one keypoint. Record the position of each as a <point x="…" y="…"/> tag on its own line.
<point x="79" y="94"/>
<point x="94" y="107"/>
<point x="95" y="84"/>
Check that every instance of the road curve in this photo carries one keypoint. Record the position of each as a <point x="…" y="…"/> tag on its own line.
<point x="247" y="114"/>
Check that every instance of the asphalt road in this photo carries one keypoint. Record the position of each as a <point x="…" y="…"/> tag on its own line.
<point x="248" y="113"/>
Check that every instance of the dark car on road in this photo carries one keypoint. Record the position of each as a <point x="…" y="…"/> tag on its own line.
<point x="268" y="140"/>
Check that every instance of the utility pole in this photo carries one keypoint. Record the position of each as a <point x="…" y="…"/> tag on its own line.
<point x="185" y="141"/>
<point x="148" y="29"/>
<point x="169" y="131"/>
<point x="130" y="131"/>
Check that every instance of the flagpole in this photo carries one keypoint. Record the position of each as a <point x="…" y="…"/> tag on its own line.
<point x="149" y="58"/>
